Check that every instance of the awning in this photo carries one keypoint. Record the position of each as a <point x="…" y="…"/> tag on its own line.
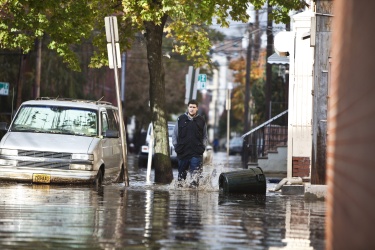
<point x="276" y="59"/>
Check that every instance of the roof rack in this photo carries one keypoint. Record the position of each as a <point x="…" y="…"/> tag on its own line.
<point x="73" y="100"/>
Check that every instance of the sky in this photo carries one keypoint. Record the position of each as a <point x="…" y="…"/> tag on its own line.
<point x="238" y="29"/>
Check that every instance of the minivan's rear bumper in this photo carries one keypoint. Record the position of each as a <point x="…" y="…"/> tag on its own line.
<point x="55" y="176"/>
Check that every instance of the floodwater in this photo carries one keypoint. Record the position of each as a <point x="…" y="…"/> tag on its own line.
<point x="149" y="216"/>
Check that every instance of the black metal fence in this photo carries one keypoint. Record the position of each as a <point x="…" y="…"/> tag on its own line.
<point x="265" y="138"/>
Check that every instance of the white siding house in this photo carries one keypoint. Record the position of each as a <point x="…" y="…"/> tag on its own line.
<point x="301" y="56"/>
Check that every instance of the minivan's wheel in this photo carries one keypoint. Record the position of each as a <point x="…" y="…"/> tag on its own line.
<point x="99" y="178"/>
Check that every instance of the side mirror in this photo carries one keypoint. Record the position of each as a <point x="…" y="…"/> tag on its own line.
<point x="111" y="134"/>
<point x="3" y="126"/>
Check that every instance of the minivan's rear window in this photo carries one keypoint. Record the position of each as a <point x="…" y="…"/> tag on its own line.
<point x="56" y="119"/>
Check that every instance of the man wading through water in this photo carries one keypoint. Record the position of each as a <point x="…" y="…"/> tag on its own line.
<point x="190" y="140"/>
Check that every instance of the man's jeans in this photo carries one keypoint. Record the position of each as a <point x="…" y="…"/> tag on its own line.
<point x="195" y="164"/>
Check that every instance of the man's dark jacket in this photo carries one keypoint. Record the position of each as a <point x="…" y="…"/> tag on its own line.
<point x="190" y="138"/>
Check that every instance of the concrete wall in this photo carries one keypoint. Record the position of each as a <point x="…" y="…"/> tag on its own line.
<point x="275" y="162"/>
<point x="351" y="128"/>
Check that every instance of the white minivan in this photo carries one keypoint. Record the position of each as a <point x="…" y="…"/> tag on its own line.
<point x="61" y="141"/>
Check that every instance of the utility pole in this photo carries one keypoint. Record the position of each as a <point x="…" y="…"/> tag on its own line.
<point x="20" y="81"/>
<point x="245" y="154"/>
<point x="38" y="69"/>
<point x="268" y="88"/>
<point x="320" y="39"/>
<point x="256" y="40"/>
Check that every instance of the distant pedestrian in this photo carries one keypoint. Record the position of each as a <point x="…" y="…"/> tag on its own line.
<point x="216" y="145"/>
<point x="190" y="140"/>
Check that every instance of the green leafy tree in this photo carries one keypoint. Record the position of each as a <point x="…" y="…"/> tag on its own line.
<point x="67" y="22"/>
<point x="183" y="21"/>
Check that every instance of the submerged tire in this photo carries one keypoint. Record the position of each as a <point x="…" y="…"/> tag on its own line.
<point x="99" y="178"/>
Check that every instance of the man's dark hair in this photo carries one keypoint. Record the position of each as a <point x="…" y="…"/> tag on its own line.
<point x="193" y="102"/>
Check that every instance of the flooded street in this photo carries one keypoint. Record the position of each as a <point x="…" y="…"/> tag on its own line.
<point x="149" y="216"/>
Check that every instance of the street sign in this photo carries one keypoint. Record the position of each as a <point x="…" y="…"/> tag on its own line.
<point x="202" y="79"/>
<point x="113" y="47"/>
<point x="4" y="88"/>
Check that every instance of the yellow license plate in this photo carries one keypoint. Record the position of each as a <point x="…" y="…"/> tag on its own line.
<point x="41" y="178"/>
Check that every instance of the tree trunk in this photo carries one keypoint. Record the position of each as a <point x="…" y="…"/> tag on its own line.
<point x="162" y="162"/>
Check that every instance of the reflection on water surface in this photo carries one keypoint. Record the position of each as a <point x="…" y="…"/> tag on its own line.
<point x="149" y="216"/>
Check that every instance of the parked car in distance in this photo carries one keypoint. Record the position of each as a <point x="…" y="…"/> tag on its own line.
<point x="235" y="146"/>
<point x="143" y="153"/>
<point x="207" y="155"/>
<point x="57" y="140"/>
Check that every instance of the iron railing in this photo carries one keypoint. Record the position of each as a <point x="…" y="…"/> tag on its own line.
<point x="265" y="138"/>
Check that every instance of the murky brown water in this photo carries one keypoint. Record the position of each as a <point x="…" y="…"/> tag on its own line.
<point x="148" y="216"/>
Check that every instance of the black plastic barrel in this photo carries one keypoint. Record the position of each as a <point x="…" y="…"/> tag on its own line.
<point x="247" y="181"/>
